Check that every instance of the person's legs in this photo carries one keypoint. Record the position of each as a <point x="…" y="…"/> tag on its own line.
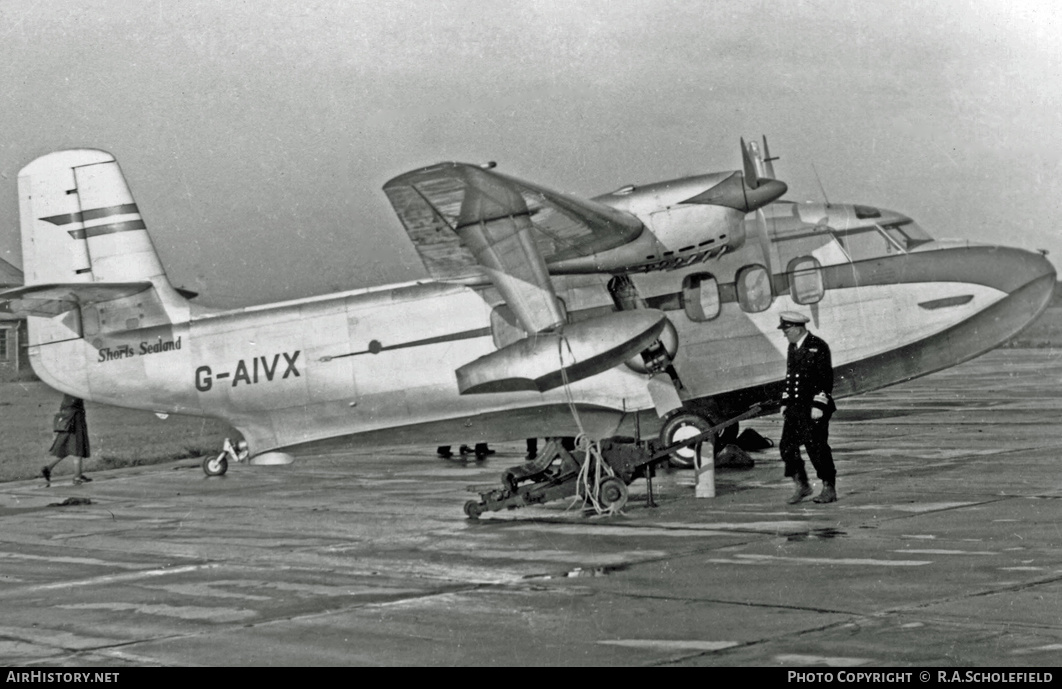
<point x="46" y="470"/>
<point x="78" y="476"/>
<point x="821" y="457"/>
<point x="793" y="436"/>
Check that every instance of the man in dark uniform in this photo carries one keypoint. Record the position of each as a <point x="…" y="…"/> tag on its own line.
<point x="807" y="405"/>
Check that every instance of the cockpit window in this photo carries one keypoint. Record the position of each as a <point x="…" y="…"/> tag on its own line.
<point x="907" y="234"/>
<point x="866" y="243"/>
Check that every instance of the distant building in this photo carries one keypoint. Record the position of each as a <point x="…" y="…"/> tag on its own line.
<point x="14" y="362"/>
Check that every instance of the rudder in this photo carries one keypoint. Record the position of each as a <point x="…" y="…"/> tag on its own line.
<point x="80" y="223"/>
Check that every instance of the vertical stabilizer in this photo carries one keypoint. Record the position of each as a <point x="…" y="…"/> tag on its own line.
<point x="80" y="223"/>
<point x="85" y="250"/>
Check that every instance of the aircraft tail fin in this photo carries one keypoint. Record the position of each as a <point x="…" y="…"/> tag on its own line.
<point x="758" y="164"/>
<point x="84" y="242"/>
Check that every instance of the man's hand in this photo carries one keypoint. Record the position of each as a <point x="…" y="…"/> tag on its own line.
<point x="816" y="413"/>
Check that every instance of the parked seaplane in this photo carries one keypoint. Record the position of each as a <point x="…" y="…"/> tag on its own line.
<point x="649" y="310"/>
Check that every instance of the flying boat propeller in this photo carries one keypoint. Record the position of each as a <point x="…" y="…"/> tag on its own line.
<point x="759" y="173"/>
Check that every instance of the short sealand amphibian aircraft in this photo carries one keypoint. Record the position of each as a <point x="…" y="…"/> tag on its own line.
<point x="649" y="310"/>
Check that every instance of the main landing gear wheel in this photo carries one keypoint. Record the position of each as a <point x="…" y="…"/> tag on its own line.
<point x="473" y="509"/>
<point x="682" y="426"/>
<point x="612" y="493"/>
<point x="215" y="466"/>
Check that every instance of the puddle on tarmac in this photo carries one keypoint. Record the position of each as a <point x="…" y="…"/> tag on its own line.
<point x="821" y="534"/>
<point x="580" y="572"/>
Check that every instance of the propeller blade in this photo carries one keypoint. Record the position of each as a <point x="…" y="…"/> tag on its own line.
<point x="760" y="230"/>
<point x="752" y="178"/>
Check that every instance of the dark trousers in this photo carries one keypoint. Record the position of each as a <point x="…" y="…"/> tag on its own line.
<point x="798" y="430"/>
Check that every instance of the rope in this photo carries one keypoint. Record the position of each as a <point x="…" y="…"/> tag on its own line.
<point x="592" y="458"/>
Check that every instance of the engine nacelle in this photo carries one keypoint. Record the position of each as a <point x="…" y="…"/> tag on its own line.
<point x="686" y="221"/>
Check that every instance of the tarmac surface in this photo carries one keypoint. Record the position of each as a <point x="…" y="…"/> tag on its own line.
<point x="945" y="549"/>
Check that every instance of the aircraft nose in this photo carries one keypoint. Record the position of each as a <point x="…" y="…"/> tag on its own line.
<point x="1004" y="268"/>
<point x="1027" y="277"/>
<point x="1028" y="271"/>
<point x="1041" y="279"/>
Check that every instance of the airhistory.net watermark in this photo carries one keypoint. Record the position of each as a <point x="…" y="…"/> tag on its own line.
<point x="64" y="677"/>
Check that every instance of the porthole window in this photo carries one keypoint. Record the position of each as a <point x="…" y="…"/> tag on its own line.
<point x="700" y="297"/>
<point x="754" y="288"/>
<point x="805" y="280"/>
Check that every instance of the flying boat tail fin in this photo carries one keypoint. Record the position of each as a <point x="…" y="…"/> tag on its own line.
<point x="88" y="262"/>
<point x="758" y="163"/>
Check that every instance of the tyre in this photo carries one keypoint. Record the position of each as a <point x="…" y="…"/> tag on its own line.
<point x="215" y="466"/>
<point x="473" y="509"/>
<point x="612" y="493"/>
<point x="679" y="427"/>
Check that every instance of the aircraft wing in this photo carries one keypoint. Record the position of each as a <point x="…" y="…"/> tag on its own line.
<point x="465" y="220"/>
<point x="433" y="203"/>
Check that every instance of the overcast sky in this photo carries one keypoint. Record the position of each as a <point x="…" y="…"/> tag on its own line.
<point x="256" y="135"/>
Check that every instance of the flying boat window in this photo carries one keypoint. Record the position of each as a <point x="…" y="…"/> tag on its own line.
<point x="907" y="234"/>
<point x="866" y="243"/>
<point x="700" y="296"/>
<point x="805" y="280"/>
<point x="754" y="288"/>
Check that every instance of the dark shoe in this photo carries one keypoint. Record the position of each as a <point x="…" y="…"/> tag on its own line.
<point x="47" y="474"/>
<point x="828" y="494"/>
<point x="803" y="489"/>
<point x="530" y="456"/>
<point x="445" y="453"/>
<point x="465" y="449"/>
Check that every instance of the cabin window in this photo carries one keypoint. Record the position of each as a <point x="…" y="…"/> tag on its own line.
<point x="4" y="350"/>
<point x="805" y="280"/>
<point x="754" y="288"/>
<point x="700" y="296"/>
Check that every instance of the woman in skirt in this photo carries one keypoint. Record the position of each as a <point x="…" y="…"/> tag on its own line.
<point x="71" y="438"/>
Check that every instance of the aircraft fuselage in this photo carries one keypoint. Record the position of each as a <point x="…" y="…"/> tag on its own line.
<point x="376" y="366"/>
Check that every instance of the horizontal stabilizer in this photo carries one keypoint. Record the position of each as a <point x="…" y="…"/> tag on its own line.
<point x="51" y="300"/>
<point x="578" y="351"/>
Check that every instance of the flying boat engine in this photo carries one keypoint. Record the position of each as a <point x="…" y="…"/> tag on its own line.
<point x="685" y="221"/>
